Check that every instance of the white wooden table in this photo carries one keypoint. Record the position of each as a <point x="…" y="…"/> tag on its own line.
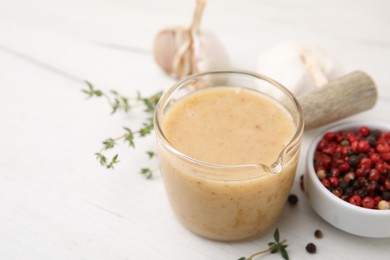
<point x="56" y="202"/>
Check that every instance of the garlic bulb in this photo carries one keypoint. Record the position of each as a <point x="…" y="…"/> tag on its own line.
<point x="183" y="51"/>
<point x="298" y="67"/>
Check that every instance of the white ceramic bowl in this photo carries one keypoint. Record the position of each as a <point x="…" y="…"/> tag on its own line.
<point x="339" y="213"/>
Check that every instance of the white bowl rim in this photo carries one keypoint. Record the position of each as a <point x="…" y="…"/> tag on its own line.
<point x="337" y="127"/>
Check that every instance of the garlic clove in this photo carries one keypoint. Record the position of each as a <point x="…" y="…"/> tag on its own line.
<point x="166" y="44"/>
<point x="298" y="67"/>
<point x="209" y="53"/>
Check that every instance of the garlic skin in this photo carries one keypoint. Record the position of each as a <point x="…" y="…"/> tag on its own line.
<point x="166" y="46"/>
<point x="181" y="51"/>
<point x="209" y="53"/>
<point x="298" y="67"/>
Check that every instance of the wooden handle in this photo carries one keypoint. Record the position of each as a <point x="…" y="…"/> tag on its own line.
<point x="338" y="99"/>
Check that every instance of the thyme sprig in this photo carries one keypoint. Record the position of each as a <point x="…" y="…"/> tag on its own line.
<point x="119" y="102"/>
<point x="273" y="247"/>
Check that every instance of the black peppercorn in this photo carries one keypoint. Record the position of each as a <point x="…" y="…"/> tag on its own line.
<point x="292" y="199"/>
<point x="311" y="248"/>
<point x="348" y="191"/>
<point x="318" y="234"/>
<point x="343" y="185"/>
<point x="375" y="133"/>
<point x="371" y="141"/>
<point x="353" y="161"/>
<point x="362" y="155"/>
<point x="362" y="193"/>
<point x="386" y="195"/>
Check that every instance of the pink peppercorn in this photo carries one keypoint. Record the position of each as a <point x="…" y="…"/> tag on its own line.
<point x="355" y="200"/>
<point x="386" y="136"/>
<point x="334" y="181"/>
<point x="354" y="146"/>
<point x="375" y="157"/>
<point x="337" y="192"/>
<point x="360" y="172"/>
<point x="366" y="162"/>
<point x="364" y="130"/>
<point x="329" y="136"/>
<point x="326" y="183"/>
<point x="374" y="175"/>
<point x="383" y="148"/>
<point x="387" y="184"/>
<point x="334" y="172"/>
<point x="368" y="202"/>
<point x="343" y="167"/>
<point x="385" y="156"/>
<point x="363" y="146"/>
<point x="349" y="177"/>
<point x="322" y="144"/>
<point x="350" y="136"/>
<point x="328" y="150"/>
<point x="377" y="199"/>
<point x="355" y="166"/>
<point x="381" y="167"/>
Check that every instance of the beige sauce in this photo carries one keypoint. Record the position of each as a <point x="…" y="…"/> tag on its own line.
<point x="227" y="126"/>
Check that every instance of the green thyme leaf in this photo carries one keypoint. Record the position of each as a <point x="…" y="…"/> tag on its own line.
<point x="147" y="129"/>
<point x="129" y="137"/>
<point x="109" y="143"/>
<point x="91" y="91"/>
<point x="147" y="172"/>
<point x="101" y="158"/>
<point x="150" y="154"/>
<point x="273" y="247"/>
<point x="150" y="102"/>
<point x="276" y="235"/>
<point x="283" y="252"/>
<point x="113" y="161"/>
<point x="115" y="106"/>
<point x="98" y="93"/>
